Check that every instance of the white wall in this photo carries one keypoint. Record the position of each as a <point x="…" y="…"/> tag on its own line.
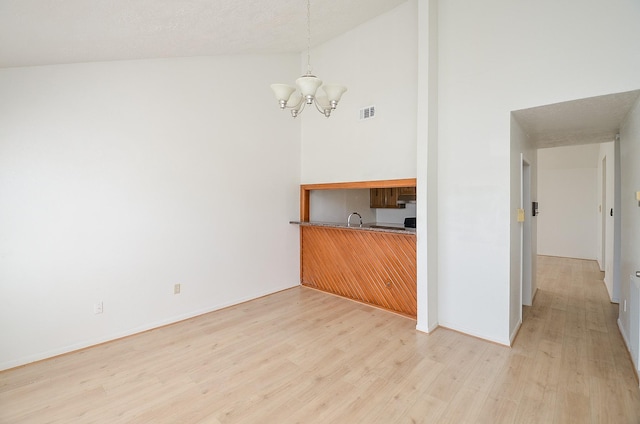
<point x="396" y="216"/>
<point x="377" y="61"/>
<point x="629" y="320"/>
<point x="568" y="201"/>
<point x="497" y="56"/>
<point x="336" y="205"/>
<point x="118" y="180"/>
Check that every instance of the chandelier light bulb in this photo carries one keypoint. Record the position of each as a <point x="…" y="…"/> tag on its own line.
<point x="283" y="93"/>
<point x="334" y="93"/>
<point x="308" y="85"/>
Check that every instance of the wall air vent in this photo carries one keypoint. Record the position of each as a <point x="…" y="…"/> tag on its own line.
<point x="367" y="112"/>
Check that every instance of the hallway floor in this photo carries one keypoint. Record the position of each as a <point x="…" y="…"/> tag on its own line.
<point x="577" y="367"/>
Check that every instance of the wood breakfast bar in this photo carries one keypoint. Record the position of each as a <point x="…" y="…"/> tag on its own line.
<point x="371" y="264"/>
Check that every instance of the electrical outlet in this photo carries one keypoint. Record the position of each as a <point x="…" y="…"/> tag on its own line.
<point x="176" y="289"/>
<point x="98" y="308"/>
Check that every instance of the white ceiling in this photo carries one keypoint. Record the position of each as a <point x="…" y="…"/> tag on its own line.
<point x="42" y="32"/>
<point x="584" y="121"/>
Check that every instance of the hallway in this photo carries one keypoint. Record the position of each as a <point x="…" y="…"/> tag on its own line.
<point x="571" y="348"/>
<point x="302" y="356"/>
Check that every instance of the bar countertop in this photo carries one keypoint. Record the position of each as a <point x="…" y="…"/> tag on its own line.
<point x="372" y="226"/>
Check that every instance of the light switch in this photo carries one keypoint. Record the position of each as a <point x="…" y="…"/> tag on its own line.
<point x="638" y="196"/>
<point x="520" y="215"/>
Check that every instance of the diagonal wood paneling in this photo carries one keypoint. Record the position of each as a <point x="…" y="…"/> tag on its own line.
<point x="369" y="266"/>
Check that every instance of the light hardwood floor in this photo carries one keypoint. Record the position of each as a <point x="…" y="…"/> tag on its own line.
<point x="302" y="356"/>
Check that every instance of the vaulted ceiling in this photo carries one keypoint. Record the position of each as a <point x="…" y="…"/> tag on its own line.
<point x="45" y="32"/>
<point x="42" y="32"/>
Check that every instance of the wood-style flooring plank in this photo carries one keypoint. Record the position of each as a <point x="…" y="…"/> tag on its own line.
<point x="303" y="356"/>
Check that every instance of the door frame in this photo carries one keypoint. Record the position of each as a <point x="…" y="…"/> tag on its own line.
<point x="526" y="236"/>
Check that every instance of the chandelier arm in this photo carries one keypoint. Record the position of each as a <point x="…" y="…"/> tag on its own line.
<point x="319" y="107"/>
<point x="295" y="112"/>
<point x="301" y="102"/>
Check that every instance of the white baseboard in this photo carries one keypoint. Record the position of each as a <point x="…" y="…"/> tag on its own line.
<point x="427" y="329"/>
<point x="130" y="332"/>
<point x="514" y="333"/>
<point x="627" y="345"/>
<point x="475" y="334"/>
<point x="624" y="335"/>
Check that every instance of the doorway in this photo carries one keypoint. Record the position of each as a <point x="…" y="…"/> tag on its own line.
<point x="603" y="215"/>
<point x="526" y="251"/>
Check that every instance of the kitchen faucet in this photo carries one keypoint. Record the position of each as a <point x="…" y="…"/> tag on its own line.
<point x="349" y="219"/>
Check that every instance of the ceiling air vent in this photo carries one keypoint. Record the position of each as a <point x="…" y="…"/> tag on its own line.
<point x="367" y="112"/>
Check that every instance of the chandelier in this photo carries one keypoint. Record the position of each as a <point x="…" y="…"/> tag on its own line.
<point x="308" y="85"/>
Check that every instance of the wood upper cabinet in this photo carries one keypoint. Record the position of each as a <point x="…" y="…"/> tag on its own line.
<point x="388" y="197"/>
<point x="383" y="198"/>
<point x="407" y="191"/>
<point x="377" y="198"/>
